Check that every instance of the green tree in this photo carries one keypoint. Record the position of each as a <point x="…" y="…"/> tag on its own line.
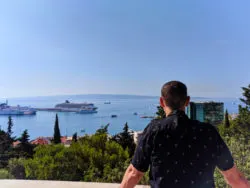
<point x="25" y="137"/>
<point x="237" y="137"/>
<point x="103" y="129"/>
<point x="6" y="148"/>
<point x="91" y="158"/>
<point x="160" y="113"/>
<point x="24" y="149"/>
<point x="74" y="137"/>
<point x="125" y="139"/>
<point x="10" y="125"/>
<point x="246" y="95"/>
<point x="226" y="120"/>
<point x="57" y="134"/>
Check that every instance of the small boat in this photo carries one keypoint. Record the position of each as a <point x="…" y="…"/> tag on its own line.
<point x="113" y="116"/>
<point x="135" y="113"/>
<point x="107" y="102"/>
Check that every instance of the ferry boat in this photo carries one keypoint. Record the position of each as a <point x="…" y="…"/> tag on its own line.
<point x="5" y="109"/>
<point x="83" y="108"/>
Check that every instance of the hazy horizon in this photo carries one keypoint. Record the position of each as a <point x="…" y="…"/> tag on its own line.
<point x="110" y="94"/>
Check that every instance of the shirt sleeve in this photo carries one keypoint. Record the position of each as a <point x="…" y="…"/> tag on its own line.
<point x="224" y="157"/>
<point x="141" y="159"/>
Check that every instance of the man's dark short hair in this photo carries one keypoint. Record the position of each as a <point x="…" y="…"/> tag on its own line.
<point x="175" y="94"/>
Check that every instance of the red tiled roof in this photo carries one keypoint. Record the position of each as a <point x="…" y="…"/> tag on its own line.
<point x="40" y="141"/>
<point x="16" y="143"/>
<point x="63" y="139"/>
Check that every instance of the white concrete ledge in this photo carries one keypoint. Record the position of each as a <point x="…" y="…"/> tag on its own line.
<point x="56" y="184"/>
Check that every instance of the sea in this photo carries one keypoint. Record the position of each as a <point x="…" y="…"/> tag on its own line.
<point x="124" y="106"/>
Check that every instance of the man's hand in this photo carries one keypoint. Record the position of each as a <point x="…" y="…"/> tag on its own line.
<point x="131" y="178"/>
<point x="235" y="178"/>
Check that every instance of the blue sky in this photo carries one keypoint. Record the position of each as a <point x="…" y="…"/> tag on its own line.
<point x="123" y="47"/>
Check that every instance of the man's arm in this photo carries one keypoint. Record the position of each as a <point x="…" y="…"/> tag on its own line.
<point x="235" y="178"/>
<point x="141" y="160"/>
<point x="131" y="178"/>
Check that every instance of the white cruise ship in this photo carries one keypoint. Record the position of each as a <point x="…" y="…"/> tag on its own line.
<point x="83" y="108"/>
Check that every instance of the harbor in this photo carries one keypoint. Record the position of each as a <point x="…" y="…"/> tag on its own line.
<point x="130" y="109"/>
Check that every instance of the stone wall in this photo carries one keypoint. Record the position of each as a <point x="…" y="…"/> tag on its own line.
<point x="56" y="184"/>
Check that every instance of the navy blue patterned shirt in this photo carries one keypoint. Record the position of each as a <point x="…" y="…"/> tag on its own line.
<point x="181" y="153"/>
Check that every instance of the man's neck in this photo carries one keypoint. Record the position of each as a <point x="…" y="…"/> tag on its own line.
<point x="168" y="111"/>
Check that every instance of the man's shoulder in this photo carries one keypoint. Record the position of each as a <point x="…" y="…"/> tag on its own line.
<point x="202" y="125"/>
<point x="154" y="124"/>
<point x="158" y="124"/>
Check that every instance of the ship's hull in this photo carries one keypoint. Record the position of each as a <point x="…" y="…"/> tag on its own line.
<point x="5" y="109"/>
<point x="17" y="113"/>
<point x="87" y="111"/>
<point x="11" y="113"/>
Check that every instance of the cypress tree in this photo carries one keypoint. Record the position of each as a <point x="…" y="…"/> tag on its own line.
<point x="9" y="132"/>
<point x="57" y="134"/>
<point x="74" y="137"/>
<point x="10" y="125"/>
<point x="226" y="120"/>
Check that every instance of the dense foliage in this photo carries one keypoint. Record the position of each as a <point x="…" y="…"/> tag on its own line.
<point x="91" y="158"/>
<point x="237" y="137"/>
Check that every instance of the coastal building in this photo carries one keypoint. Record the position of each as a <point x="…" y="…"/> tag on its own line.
<point x="210" y="112"/>
<point x="66" y="141"/>
<point x="16" y="143"/>
<point x="41" y="141"/>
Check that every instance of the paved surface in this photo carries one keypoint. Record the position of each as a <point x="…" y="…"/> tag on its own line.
<point x="56" y="184"/>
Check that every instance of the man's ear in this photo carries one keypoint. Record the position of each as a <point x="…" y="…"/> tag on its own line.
<point x="187" y="101"/>
<point x="162" y="102"/>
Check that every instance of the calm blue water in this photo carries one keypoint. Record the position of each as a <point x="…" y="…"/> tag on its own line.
<point x="124" y="106"/>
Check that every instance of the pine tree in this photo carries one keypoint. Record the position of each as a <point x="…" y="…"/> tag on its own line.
<point x="160" y="113"/>
<point x="24" y="149"/>
<point x="57" y="134"/>
<point x="226" y="120"/>
<point x="25" y="137"/>
<point x="125" y="139"/>
<point x="246" y="95"/>
<point x="74" y="137"/>
<point x="103" y="129"/>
